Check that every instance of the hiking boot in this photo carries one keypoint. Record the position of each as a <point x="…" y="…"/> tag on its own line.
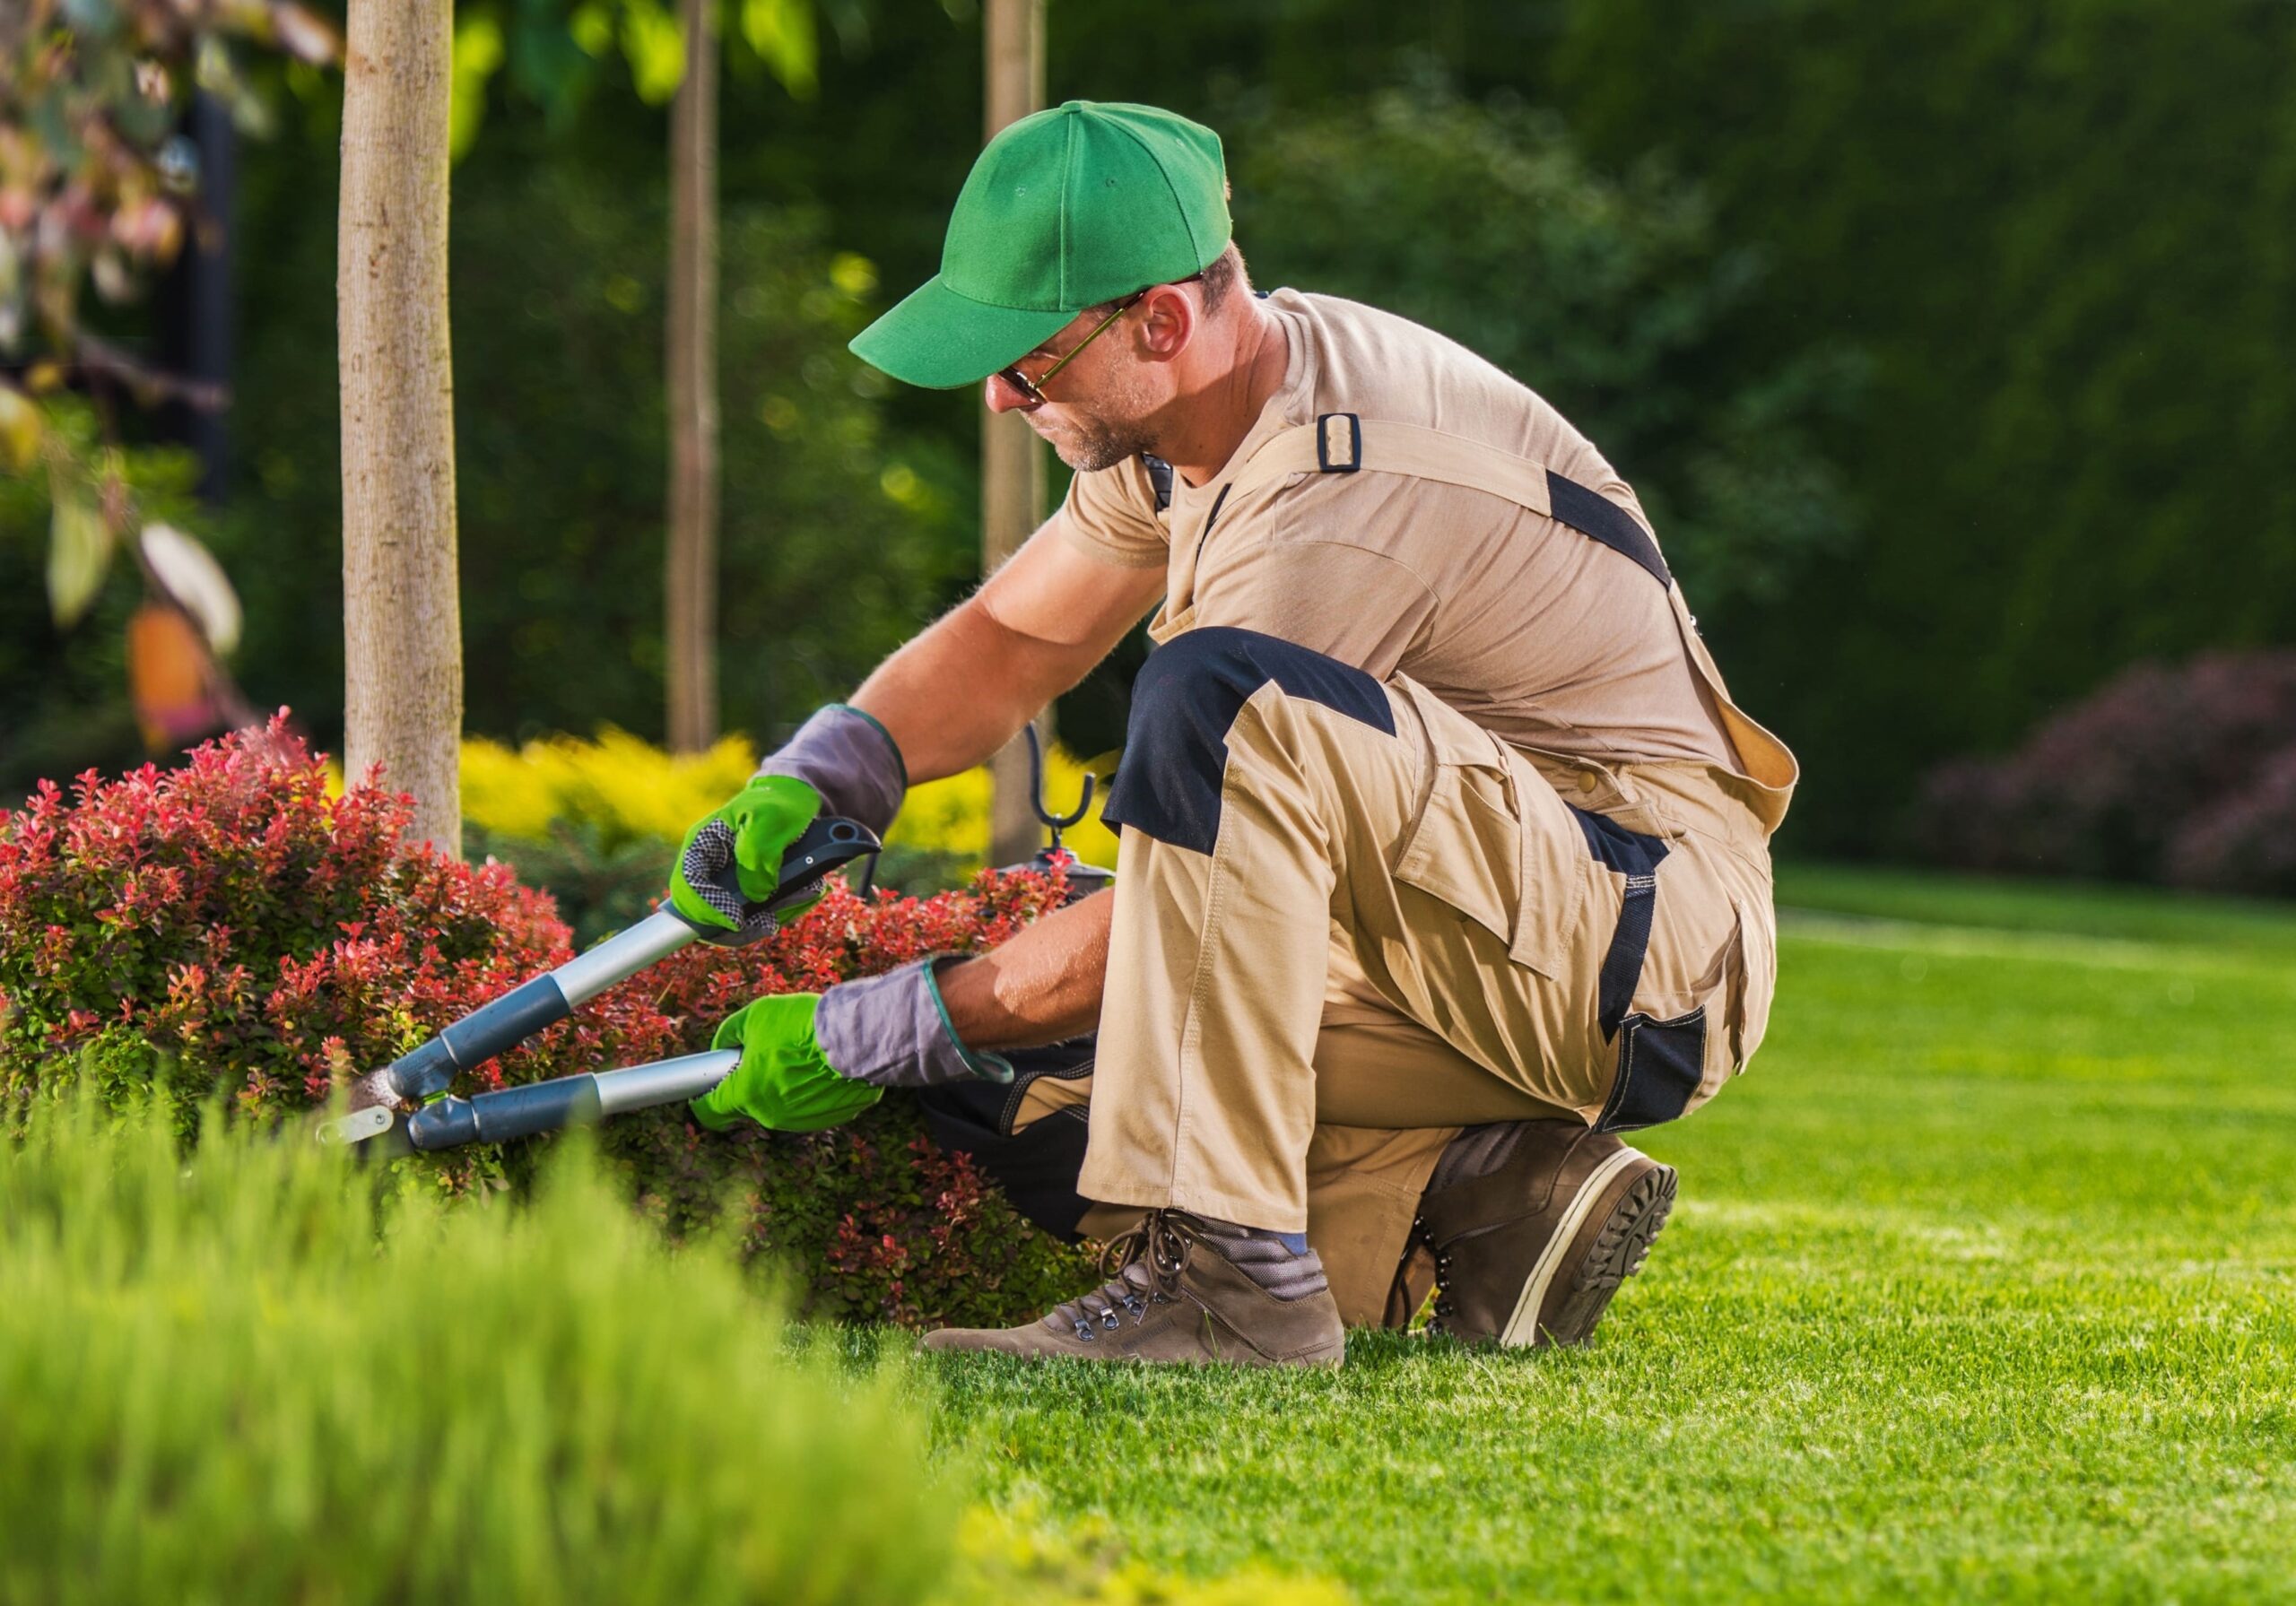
<point x="1532" y="1252"/>
<point x="1174" y="1297"/>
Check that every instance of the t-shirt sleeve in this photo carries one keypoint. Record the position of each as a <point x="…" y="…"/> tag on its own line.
<point x="1110" y="515"/>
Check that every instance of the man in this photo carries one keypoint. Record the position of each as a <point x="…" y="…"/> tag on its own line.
<point x="1445" y="851"/>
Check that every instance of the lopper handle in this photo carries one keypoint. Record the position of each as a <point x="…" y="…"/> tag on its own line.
<point x="569" y="1101"/>
<point x="526" y="1008"/>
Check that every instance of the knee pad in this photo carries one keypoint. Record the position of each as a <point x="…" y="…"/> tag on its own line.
<point x="1184" y="701"/>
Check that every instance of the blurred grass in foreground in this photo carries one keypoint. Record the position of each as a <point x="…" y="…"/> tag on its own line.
<point x="243" y="1376"/>
<point x="1983" y="1286"/>
<point x="221" y="1387"/>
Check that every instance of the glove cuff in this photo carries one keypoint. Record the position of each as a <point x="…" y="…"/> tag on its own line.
<point x="850" y="759"/>
<point x="893" y="1032"/>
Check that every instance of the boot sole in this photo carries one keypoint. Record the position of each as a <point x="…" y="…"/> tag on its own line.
<point x="1601" y="1242"/>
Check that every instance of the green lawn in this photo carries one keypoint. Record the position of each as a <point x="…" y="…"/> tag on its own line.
<point x="1983" y="1285"/>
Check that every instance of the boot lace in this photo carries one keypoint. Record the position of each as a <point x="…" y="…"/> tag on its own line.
<point x="1419" y="1237"/>
<point x="1143" y="1266"/>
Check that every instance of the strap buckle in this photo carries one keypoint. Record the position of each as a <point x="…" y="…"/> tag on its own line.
<point x="1327" y="435"/>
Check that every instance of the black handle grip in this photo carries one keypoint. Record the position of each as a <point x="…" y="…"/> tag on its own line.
<point x="478" y="1037"/>
<point x="831" y="843"/>
<point x="511" y="1113"/>
<point x="828" y="843"/>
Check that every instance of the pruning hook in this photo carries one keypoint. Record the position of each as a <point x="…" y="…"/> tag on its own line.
<point x="1054" y="823"/>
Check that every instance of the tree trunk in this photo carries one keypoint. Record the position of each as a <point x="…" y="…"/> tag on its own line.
<point x="402" y="622"/>
<point x="691" y="572"/>
<point x="1012" y="457"/>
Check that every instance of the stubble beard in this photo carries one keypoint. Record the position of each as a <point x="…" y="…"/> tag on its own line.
<point x="1090" y="442"/>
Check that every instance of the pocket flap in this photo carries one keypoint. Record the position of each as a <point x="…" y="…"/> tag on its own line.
<point x="1466" y="849"/>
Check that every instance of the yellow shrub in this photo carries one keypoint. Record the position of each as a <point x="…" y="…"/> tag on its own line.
<point x="632" y="791"/>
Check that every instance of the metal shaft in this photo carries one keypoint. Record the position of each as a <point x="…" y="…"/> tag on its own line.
<point x="641" y="1086"/>
<point x="651" y="941"/>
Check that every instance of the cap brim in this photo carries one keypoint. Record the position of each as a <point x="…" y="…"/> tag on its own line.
<point x="943" y="341"/>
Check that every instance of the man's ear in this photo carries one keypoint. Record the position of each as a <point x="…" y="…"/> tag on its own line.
<point x="1170" y="319"/>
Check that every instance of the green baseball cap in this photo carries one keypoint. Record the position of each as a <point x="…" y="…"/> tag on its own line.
<point x="1065" y="209"/>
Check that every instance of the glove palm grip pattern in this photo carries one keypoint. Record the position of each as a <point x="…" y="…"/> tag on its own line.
<point x="708" y="868"/>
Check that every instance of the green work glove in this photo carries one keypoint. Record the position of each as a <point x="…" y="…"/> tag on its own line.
<point x="783" y="1083"/>
<point x="764" y="819"/>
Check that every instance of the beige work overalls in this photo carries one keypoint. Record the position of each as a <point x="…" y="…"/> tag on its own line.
<point x="1385" y="923"/>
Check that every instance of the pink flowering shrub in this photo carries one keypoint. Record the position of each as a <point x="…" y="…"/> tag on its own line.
<point x="2125" y="784"/>
<point x="2245" y="843"/>
<point x="227" y="929"/>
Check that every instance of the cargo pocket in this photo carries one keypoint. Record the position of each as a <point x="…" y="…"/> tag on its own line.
<point x="1675" y="1054"/>
<point x="1661" y="1066"/>
<point x="1757" y="984"/>
<point x="1473" y="848"/>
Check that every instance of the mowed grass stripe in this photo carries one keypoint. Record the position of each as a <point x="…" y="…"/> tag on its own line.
<point x="1983" y="1286"/>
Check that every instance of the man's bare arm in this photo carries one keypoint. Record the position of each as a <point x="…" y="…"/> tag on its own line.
<point x="964" y="686"/>
<point x="1042" y="986"/>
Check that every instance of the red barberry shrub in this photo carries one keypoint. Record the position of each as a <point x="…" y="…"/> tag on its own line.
<point x="881" y="1223"/>
<point x="270" y="940"/>
<point x="227" y="929"/>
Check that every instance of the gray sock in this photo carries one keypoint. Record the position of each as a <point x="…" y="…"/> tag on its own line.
<point x="1477" y="1152"/>
<point x="1279" y="1261"/>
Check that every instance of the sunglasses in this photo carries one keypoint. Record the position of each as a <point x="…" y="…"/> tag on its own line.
<point x="1032" y="391"/>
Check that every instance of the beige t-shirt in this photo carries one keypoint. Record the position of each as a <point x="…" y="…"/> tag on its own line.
<point x="1541" y="635"/>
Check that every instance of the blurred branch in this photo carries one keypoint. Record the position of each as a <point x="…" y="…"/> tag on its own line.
<point x="98" y="182"/>
<point x="91" y="357"/>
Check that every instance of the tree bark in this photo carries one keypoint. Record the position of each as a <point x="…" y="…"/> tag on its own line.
<point x="691" y="575"/>
<point x="1012" y="457"/>
<point x="401" y="621"/>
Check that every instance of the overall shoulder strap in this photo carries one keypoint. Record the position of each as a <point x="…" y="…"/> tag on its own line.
<point x="1159" y="480"/>
<point x="1343" y="443"/>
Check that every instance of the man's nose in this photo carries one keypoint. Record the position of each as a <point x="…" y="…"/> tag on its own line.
<point x="1002" y="394"/>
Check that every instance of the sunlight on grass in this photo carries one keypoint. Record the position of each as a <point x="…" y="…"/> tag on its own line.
<point x="1984" y="1284"/>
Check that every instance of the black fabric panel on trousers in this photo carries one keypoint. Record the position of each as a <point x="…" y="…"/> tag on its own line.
<point x="1595" y="515"/>
<point x="1660" y="1063"/>
<point x="1187" y="697"/>
<point x="1635" y="856"/>
<point x="1629" y="946"/>
<point x="1036" y="1167"/>
<point x="1630" y="852"/>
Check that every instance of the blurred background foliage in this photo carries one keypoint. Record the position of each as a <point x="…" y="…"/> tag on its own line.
<point x="1944" y="340"/>
<point x="835" y="539"/>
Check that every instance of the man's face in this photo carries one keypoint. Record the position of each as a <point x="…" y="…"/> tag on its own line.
<point x="1097" y="408"/>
